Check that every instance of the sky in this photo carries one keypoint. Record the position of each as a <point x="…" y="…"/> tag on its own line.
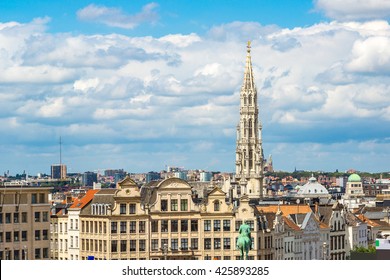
<point x="142" y="85"/>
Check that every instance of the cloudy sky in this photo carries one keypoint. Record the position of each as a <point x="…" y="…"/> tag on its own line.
<point x="141" y="85"/>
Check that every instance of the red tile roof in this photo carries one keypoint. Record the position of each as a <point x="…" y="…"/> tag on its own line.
<point x="82" y="202"/>
<point x="286" y="209"/>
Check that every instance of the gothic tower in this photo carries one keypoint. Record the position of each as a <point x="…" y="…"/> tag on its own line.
<point x="249" y="150"/>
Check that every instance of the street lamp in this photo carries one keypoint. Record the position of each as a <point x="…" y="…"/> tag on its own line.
<point x="6" y="253"/>
<point x="324" y="249"/>
<point x="165" y="250"/>
<point x="25" y="252"/>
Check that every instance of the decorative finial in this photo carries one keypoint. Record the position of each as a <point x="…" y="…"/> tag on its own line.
<point x="249" y="46"/>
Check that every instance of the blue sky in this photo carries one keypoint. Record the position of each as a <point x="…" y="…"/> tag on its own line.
<point x="144" y="84"/>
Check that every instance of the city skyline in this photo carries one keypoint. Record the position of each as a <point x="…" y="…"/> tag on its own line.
<point x="140" y="85"/>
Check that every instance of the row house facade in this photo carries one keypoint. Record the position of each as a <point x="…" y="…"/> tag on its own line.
<point x="165" y="220"/>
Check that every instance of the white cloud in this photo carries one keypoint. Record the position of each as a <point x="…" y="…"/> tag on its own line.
<point x="371" y="55"/>
<point x="85" y="85"/>
<point x="354" y="9"/>
<point x="160" y="94"/>
<point x="115" y="17"/>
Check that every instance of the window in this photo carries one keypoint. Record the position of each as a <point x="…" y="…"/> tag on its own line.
<point x="164" y="242"/>
<point x="194" y="243"/>
<point x="207" y="225"/>
<point x="132" y="208"/>
<point x="226" y="225"/>
<point x="45" y="253"/>
<point x="174" y="244"/>
<point x="114" y="227"/>
<point x="16" y="236"/>
<point x="142" y="245"/>
<point x="122" y="208"/>
<point x="194" y="225"/>
<point x="142" y="227"/>
<point x="42" y="198"/>
<point x="7" y="218"/>
<point x="45" y="217"/>
<point x="16" y="218"/>
<point x="1" y="218"/>
<point x="226" y="243"/>
<point x="154" y="226"/>
<point x="217" y="225"/>
<point x="164" y="225"/>
<point x="16" y="255"/>
<point x="238" y="224"/>
<point x="45" y="235"/>
<point x="154" y="244"/>
<point x="123" y="245"/>
<point x="173" y="204"/>
<point x="37" y="235"/>
<point x="24" y="235"/>
<point x="184" y="244"/>
<point x="34" y="198"/>
<point x="174" y="225"/>
<point x="1" y="237"/>
<point x="217" y="243"/>
<point x="207" y="243"/>
<point x="164" y="205"/>
<point x="24" y="217"/>
<point x="37" y="253"/>
<point x="37" y="216"/>
<point x="8" y="236"/>
<point x="184" y="225"/>
<point x="133" y="226"/>
<point x="114" y="246"/>
<point x="184" y="204"/>
<point x="216" y="205"/>
<point x="123" y="227"/>
<point x="251" y="225"/>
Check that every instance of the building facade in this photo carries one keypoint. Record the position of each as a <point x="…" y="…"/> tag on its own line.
<point x="24" y="223"/>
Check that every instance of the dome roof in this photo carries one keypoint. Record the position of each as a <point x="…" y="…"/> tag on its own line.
<point x="354" y="178"/>
<point x="313" y="188"/>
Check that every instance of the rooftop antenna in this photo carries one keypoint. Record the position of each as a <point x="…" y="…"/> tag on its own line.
<point x="60" y="151"/>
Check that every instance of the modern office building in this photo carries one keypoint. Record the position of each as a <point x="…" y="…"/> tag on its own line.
<point x="58" y="171"/>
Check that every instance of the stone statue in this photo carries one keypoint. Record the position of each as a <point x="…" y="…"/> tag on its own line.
<point x="244" y="241"/>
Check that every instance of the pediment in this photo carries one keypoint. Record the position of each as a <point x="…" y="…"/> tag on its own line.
<point x="174" y="183"/>
<point x="217" y="192"/>
<point x="127" y="183"/>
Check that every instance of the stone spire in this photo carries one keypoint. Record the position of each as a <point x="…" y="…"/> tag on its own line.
<point x="249" y="151"/>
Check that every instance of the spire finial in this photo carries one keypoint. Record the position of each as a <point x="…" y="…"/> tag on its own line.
<point x="248" y="46"/>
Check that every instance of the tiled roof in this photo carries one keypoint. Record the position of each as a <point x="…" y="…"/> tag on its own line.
<point x="368" y="221"/>
<point x="81" y="202"/>
<point x="291" y="224"/>
<point x="286" y="209"/>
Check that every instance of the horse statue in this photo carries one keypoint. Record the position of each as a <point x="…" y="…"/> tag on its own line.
<point x="244" y="241"/>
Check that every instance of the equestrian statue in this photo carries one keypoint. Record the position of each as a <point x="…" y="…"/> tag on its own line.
<point x="244" y="241"/>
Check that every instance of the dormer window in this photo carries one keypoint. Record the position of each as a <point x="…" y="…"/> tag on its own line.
<point x="217" y="206"/>
<point x="164" y="205"/>
<point x="132" y="208"/>
<point x="174" y="204"/>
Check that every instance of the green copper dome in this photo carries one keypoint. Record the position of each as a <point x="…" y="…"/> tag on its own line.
<point x="354" y="178"/>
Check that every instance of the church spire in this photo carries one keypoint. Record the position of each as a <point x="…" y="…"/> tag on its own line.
<point x="249" y="151"/>
<point x="248" y="83"/>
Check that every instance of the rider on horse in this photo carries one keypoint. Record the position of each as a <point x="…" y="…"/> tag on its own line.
<point x="244" y="242"/>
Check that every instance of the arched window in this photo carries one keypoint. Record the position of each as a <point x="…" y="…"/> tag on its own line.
<point x="245" y="100"/>
<point x="250" y="100"/>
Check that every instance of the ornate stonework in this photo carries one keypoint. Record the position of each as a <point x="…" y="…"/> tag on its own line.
<point x="249" y="150"/>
